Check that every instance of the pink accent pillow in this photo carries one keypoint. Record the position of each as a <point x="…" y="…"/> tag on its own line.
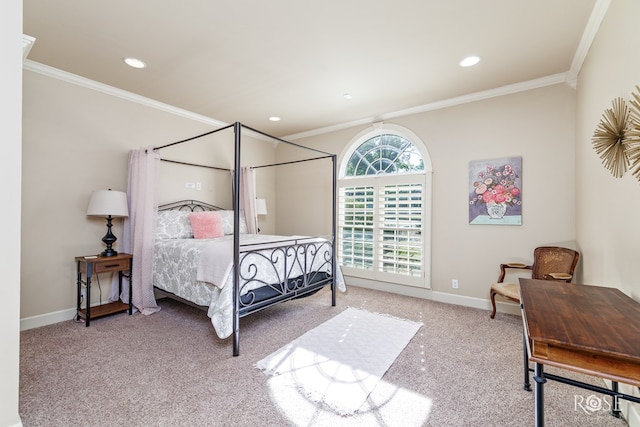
<point x="206" y="225"/>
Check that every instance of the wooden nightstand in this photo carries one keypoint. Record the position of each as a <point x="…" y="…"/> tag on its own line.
<point x="90" y="265"/>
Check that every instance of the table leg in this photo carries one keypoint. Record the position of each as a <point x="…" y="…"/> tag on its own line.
<point x="615" y="409"/>
<point x="527" y="384"/>
<point x="539" y="378"/>
<point x="79" y="295"/>
<point x="119" y="285"/>
<point x="88" y="302"/>
<point x="130" y="286"/>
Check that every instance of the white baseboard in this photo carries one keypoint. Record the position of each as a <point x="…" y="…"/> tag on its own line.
<point x="424" y="293"/>
<point x="630" y="410"/>
<point x="47" y="319"/>
<point x="411" y="291"/>
<point x="634" y="416"/>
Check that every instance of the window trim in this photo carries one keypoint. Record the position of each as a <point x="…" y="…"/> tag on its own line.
<point x="350" y="181"/>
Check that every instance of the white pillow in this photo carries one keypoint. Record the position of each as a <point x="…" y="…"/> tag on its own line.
<point x="227" y="222"/>
<point x="173" y="225"/>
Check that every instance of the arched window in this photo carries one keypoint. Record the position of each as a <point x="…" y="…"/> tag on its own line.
<point x="384" y="207"/>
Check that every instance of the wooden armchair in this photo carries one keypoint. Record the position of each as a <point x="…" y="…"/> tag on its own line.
<point x="549" y="263"/>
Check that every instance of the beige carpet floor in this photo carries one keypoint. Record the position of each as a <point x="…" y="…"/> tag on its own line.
<point x="170" y="369"/>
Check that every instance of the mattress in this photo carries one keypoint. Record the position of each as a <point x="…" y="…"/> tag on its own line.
<point x="201" y="270"/>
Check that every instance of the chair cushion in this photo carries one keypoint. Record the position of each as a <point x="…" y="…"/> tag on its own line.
<point x="508" y="290"/>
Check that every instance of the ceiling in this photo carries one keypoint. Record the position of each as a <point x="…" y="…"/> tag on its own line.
<point x="247" y="60"/>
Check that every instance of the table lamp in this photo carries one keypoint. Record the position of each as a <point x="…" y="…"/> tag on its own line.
<point x="108" y="204"/>
<point x="261" y="207"/>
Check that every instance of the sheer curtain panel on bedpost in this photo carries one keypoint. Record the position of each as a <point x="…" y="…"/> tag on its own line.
<point x="248" y="198"/>
<point x="139" y="230"/>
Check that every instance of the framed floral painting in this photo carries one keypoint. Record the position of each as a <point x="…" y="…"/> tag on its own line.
<point x="495" y="191"/>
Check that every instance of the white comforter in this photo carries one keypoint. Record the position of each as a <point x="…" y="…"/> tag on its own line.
<point x="184" y="268"/>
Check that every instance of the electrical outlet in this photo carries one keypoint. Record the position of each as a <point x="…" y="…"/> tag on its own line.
<point x="82" y="295"/>
<point x="454" y="283"/>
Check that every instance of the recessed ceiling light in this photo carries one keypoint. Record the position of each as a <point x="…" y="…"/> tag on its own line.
<point x="134" y="62"/>
<point x="274" y="118"/>
<point x="469" y="61"/>
<point x="347" y="96"/>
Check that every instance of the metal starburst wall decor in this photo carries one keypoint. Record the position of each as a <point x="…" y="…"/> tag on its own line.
<point x="610" y="136"/>
<point x="633" y="138"/>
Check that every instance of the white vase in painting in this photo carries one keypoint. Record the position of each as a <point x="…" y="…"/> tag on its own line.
<point x="496" y="210"/>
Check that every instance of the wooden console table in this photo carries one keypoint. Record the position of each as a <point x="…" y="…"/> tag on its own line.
<point x="588" y="329"/>
<point x="92" y="264"/>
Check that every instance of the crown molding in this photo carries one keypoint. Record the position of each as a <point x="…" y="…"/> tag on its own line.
<point x="74" y="79"/>
<point x="451" y="102"/>
<point x="27" y="44"/>
<point x="593" y="25"/>
<point x="56" y="73"/>
<point x="570" y="78"/>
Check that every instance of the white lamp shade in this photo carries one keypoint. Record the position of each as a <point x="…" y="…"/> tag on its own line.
<point x="261" y="207"/>
<point x="108" y="202"/>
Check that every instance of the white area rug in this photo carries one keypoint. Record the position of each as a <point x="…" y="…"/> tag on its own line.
<point x="340" y="362"/>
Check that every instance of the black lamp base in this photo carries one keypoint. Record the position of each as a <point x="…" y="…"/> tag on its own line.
<point x="109" y="252"/>
<point x="109" y="239"/>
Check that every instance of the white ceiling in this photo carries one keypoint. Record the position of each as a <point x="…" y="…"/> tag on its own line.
<point x="247" y="60"/>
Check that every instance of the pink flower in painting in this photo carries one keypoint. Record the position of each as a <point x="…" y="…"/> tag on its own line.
<point x="480" y="189"/>
<point x="497" y="184"/>
<point x="500" y="198"/>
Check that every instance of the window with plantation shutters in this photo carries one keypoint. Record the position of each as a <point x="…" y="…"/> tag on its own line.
<point x="356" y="230"/>
<point x="400" y="226"/>
<point x="382" y="227"/>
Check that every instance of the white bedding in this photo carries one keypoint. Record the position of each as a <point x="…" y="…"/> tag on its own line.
<point x="184" y="268"/>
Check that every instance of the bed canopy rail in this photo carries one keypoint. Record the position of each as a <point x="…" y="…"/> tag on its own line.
<point x="253" y="167"/>
<point x="237" y="129"/>
<point x="194" y="164"/>
<point x="193" y="137"/>
<point x="284" y="140"/>
<point x="325" y="154"/>
<point x="292" y="162"/>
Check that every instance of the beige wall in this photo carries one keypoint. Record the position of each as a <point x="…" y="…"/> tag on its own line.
<point x="76" y="140"/>
<point x="537" y="125"/>
<point x="10" y="164"/>
<point x="607" y="208"/>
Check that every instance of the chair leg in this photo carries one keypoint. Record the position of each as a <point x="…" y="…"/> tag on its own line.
<point x="493" y="303"/>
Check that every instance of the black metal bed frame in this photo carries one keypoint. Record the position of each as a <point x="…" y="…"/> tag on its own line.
<point x="296" y="252"/>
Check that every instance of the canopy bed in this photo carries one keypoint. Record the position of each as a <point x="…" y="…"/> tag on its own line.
<point x="215" y="258"/>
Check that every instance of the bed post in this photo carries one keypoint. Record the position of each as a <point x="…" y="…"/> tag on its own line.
<point x="334" y="228"/>
<point x="236" y="242"/>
